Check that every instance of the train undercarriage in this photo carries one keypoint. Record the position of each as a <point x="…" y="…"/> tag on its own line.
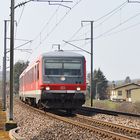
<point x="63" y="101"/>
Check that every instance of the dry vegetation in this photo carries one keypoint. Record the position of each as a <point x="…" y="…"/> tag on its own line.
<point x="117" y="106"/>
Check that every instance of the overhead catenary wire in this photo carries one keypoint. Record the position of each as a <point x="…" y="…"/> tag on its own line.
<point x="55" y="26"/>
<point x="112" y="11"/>
<point x="115" y="27"/>
<point x="47" y="23"/>
<point x="79" y="29"/>
<point x="21" y="15"/>
<point x="106" y="34"/>
<point x="76" y="40"/>
<point x="48" y="34"/>
<point x="30" y="41"/>
<point x="108" y="15"/>
<point x="118" y="25"/>
<point x="105" y="17"/>
<point x="19" y="19"/>
<point x="122" y="30"/>
<point x="77" y="47"/>
<point x="50" y="19"/>
<point x="111" y="29"/>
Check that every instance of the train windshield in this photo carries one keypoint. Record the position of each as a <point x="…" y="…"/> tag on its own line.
<point x="63" y="67"/>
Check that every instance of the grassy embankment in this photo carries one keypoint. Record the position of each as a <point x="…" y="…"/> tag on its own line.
<point x="117" y="106"/>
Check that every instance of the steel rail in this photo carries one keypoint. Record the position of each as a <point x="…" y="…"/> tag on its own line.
<point x="105" y="111"/>
<point x="115" y="127"/>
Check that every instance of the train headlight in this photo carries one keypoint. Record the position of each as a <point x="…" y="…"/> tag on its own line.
<point x="47" y="88"/>
<point x="62" y="78"/>
<point x="78" y="88"/>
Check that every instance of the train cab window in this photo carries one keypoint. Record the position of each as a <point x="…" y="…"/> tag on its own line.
<point x="72" y="69"/>
<point x="53" y="69"/>
<point x="63" y="67"/>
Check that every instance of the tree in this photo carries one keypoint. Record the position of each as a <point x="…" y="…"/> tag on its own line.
<point x="127" y="80"/>
<point x="18" y="69"/>
<point x="100" y="85"/>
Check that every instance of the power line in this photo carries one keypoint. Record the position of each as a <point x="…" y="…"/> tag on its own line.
<point x="48" y="34"/>
<point x="116" y="9"/>
<point x="23" y="44"/>
<point x="113" y="13"/>
<point x="79" y="29"/>
<point x="115" y="27"/>
<point x="57" y="24"/>
<point x="48" y="20"/>
<point x="124" y="29"/>
<point x="105" y="17"/>
<point x="19" y="20"/>
<point x="21" y="15"/>
<point x="51" y="20"/>
<point x="82" y="39"/>
<point x="21" y="39"/>
<point x="76" y="47"/>
<point x="47" y="23"/>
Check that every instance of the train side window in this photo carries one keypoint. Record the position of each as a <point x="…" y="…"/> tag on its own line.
<point x="37" y="71"/>
<point x="33" y="74"/>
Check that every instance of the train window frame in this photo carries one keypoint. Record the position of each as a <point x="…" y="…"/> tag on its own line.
<point x="51" y="60"/>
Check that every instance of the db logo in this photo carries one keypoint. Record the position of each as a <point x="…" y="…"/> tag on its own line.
<point x="62" y="87"/>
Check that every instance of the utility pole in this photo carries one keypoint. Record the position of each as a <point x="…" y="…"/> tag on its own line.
<point x="91" y="73"/>
<point x="10" y="124"/>
<point x="11" y="58"/>
<point x="4" y="66"/>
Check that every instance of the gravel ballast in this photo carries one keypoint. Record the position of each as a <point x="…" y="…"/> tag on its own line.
<point x="36" y="126"/>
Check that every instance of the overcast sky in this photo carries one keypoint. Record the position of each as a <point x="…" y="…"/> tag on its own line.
<point x="116" y="32"/>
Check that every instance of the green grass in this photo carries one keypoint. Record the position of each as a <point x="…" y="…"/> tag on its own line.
<point x="106" y="104"/>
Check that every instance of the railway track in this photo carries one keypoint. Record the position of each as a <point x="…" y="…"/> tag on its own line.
<point x="90" y="110"/>
<point x="127" y="131"/>
<point x="104" y="129"/>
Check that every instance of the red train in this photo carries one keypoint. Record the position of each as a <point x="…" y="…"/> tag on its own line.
<point x="56" y="80"/>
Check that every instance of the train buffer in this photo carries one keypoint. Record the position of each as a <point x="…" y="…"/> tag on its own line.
<point x="4" y="135"/>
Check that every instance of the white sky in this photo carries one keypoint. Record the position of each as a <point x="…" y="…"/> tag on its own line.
<point x="116" y="53"/>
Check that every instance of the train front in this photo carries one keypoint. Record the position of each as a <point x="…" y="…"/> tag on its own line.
<point x="64" y="80"/>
